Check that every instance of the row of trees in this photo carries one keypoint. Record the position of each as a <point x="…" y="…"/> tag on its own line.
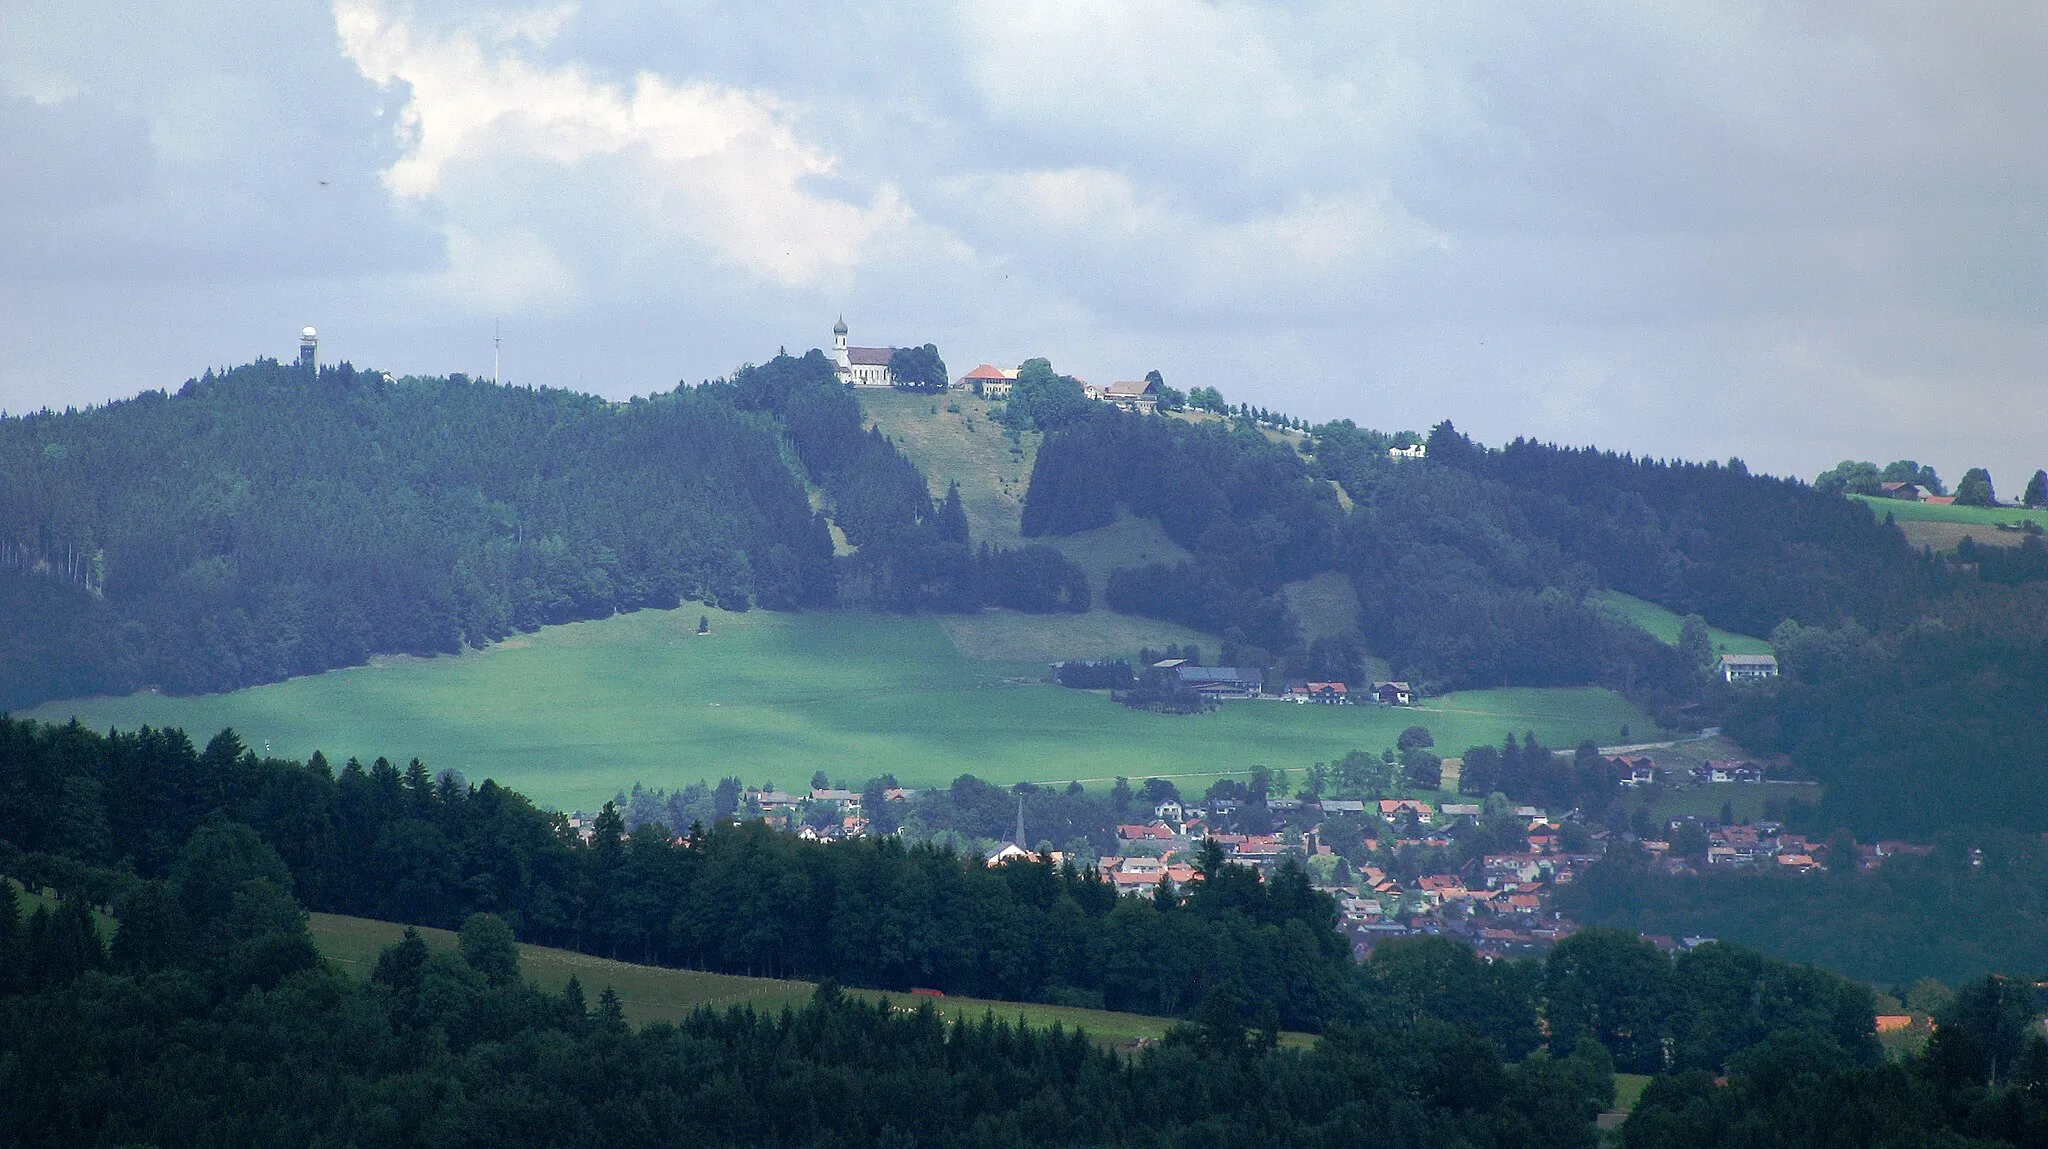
<point x="1989" y="892"/>
<point x="143" y="822"/>
<point x="189" y="1045"/>
<point x="1852" y="477"/>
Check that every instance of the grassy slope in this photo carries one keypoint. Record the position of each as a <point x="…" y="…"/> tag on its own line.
<point x="964" y="447"/>
<point x="1939" y="527"/>
<point x="1935" y="513"/>
<point x="651" y="993"/>
<point x="573" y="713"/>
<point x="1664" y="624"/>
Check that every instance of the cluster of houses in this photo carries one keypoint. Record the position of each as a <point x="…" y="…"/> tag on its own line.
<point x="1766" y="845"/>
<point x="1638" y="770"/>
<point x="1249" y="682"/>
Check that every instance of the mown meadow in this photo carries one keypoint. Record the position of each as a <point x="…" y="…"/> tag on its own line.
<point x="571" y="714"/>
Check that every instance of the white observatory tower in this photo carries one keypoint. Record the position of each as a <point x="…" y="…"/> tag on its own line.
<point x="309" y="349"/>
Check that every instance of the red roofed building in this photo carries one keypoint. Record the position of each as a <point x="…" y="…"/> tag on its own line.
<point x="989" y="381"/>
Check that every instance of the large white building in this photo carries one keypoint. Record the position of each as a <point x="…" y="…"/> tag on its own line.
<point x="861" y="366"/>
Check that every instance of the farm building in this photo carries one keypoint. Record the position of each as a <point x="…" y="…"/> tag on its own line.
<point x="1222" y="681"/>
<point x="1748" y="667"/>
<point x="1393" y="693"/>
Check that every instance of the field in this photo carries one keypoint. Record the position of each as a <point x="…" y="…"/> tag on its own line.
<point x="961" y="446"/>
<point x="1942" y="527"/>
<point x="651" y="993"/>
<point x="572" y="714"/>
<point x="1665" y="625"/>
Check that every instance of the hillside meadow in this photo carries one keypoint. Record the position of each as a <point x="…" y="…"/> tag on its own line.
<point x="1665" y="624"/>
<point x="654" y="993"/>
<point x="1943" y="527"/>
<point x="571" y="714"/>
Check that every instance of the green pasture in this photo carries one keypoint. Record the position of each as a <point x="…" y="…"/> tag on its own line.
<point x="1906" y="512"/>
<point x="961" y="447"/>
<point x="1665" y="624"/>
<point x="652" y="993"/>
<point x="572" y="714"/>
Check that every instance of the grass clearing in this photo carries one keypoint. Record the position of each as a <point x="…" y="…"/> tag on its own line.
<point x="653" y="993"/>
<point x="1325" y="605"/>
<point x="1906" y="512"/>
<point x="962" y="447"/>
<point x="1128" y="542"/>
<point x="1665" y="624"/>
<point x="572" y="714"/>
<point x="1942" y="527"/>
<point x="1010" y="636"/>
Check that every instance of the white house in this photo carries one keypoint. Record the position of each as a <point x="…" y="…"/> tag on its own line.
<point x="1748" y="667"/>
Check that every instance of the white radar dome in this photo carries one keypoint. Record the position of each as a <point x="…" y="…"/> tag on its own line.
<point x="308" y="333"/>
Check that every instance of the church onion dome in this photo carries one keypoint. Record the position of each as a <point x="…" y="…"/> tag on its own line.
<point x="839" y="328"/>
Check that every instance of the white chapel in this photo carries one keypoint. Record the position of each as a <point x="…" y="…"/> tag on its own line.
<point x="861" y="366"/>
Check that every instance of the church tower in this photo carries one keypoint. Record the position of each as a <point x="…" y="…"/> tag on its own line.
<point x="839" y="345"/>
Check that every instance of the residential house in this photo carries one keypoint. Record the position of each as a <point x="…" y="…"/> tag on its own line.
<point x="1329" y="693"/>
<point x="1748" y="667"/>
<point x="1395" y="807"/>
<point x="988" y="381"/>
<point x="847" y="800"/>
<point x="1132" y="395"/>
<point x="1727" y="770"/>
<point x="1635" y="770"/>
<point x="1156" y="832"/>
<point x="1168" y="811"/>
<point x="1393" y="693"/>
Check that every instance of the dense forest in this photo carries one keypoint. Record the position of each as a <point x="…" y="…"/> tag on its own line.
<point x="1950" y="915"/>
<point x="1472" y="565"/>
<point x="205" y="1047"/>
<point x="211" y="1017"/>
<point x="1914" y="688"/>
<point x="111" y="818"/>
<point x="269" y="521"/>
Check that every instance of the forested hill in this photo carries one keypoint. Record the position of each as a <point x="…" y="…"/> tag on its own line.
<point x="266" y="522"/>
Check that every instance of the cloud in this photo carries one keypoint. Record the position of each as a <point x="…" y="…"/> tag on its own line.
<point x="698" y="163"/>
<point x="1756" y="228"/>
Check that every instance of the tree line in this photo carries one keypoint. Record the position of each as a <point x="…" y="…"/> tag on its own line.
<point x="257" y="1041"/>
<point x="266" y="522"/>
<point x="111" y="819"/>
<point x="914" y="552"/>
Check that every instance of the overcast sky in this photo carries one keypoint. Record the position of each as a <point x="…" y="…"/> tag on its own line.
<point x="1790" y="232"/>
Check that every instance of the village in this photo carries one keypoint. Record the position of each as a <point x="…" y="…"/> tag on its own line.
<point x="1484" y="872"/>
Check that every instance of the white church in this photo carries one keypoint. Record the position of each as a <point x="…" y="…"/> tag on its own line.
<point x="861" y="366"/>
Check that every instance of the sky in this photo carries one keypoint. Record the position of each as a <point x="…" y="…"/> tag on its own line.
<point x="1793" y="232"/>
